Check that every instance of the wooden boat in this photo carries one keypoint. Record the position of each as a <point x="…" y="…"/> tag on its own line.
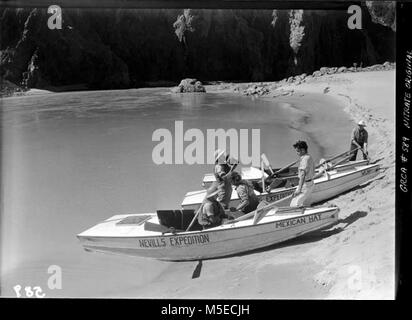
<point x="149" y="235"/>
<point x="255" y="174"/>
<point x="328" y="186"/>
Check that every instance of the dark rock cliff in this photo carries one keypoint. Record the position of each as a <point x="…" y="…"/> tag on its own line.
<point x="102" y="49"/>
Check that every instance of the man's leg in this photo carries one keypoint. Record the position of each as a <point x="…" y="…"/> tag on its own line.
<point x="205" y="211"/>
<point x="298" y="200"/>
<point x="302" y="197"/>
<point x="365" y="156"/>
<point x="307" y="191"/>
<point x="353" y="152"/>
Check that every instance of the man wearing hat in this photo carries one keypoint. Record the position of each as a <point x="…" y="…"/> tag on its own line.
<point x="223" y="184"/>
<point x="359" y="139"/>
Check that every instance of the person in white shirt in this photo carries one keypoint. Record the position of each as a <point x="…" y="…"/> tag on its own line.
<point x="306" y="172"/>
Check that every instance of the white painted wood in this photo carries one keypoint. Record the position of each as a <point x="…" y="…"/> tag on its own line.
<point x="215" y="242"/>
<point x="326" y="187"/>
<point x="254" y="174"/>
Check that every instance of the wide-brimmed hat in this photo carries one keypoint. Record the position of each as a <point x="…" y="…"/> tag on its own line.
<point x="220" y="156"/>
<point x="362" y="123"/>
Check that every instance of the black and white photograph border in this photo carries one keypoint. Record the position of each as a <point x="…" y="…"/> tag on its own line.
<point x="245" y="150"/>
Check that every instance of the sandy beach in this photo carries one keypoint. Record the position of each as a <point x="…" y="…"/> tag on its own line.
<point x="354" y="259"/>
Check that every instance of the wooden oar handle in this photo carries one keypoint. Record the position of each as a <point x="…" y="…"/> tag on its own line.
<point x="336" y="157"/>
<point x="339" y="162"/>
<point x="251" y="214"/>
<point x="284" y="168"/>
<point x="195" y="217"/>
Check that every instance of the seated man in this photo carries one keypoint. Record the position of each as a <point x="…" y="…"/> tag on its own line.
<point x="248" y="199"/>
<point x="211" y="212"/>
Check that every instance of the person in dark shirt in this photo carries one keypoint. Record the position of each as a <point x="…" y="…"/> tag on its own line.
<point x="359" y="139"/>
<point x="211" y="212"/>
<point x="248" y="199"/>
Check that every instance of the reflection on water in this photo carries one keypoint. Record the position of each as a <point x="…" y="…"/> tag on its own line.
<point x="71" y="160"/>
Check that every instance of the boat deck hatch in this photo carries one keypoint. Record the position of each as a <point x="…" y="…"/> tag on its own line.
<point x="135" y="220"/>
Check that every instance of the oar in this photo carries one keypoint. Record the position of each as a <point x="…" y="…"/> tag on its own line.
<point x="365" y="154"/>
<point x="280" y="210"/>
<point x="195" y="217"/>
<point x="320" y="174"/>
<point x="251" y="214"/>
<point x="336" y="157"/>
<point x="339" y="162"/>
<point x="285" y="167"/>
<point x="267" y="163"/>
<point x="280" y="170"/>
<point x="259" y="214"/>
<point x="263" y="174"/>
<point x="359" y="147"/>
<point x="196" y="272"/>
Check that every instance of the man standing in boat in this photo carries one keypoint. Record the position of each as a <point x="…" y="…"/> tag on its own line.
<point x="306" y="172"/>
<point x="248" y="199"/>
<point x="359" y="140"/>
<point x="223" y="183"/>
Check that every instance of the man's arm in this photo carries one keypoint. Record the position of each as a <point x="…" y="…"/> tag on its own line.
<point x="244" y="198"/>
<point x="365" y="144"/>
<point x="211" y="217"/>
<point x="353" y="138"/>
<point x="232" y="167"/>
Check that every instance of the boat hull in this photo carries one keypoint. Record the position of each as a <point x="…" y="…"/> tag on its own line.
<point x="216" y="242"/>
<point x="326" y="187"/>
<point x="255" y="175"/>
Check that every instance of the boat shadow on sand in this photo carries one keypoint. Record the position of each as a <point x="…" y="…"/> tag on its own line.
<point x="313" y="236"/>
<point x="310" y="237"/>
<point x="319" y="234"/>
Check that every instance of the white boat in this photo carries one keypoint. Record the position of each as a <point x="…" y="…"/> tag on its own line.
<point x="337" y="181"/>
<point x="255" y="174"/>
<point x="143" y="235"/>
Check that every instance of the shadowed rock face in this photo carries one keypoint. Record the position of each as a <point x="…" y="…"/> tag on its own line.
<point x="101" y="49"/>
<point x="383" y="12"/>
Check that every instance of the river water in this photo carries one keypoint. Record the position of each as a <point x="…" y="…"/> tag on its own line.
<point x="70" y="160"/>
